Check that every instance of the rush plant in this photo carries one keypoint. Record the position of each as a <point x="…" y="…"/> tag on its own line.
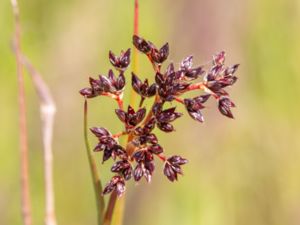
<point x="136" y="158"/>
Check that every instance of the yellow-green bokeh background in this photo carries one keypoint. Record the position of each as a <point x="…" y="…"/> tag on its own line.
<point x="243" y="171"/>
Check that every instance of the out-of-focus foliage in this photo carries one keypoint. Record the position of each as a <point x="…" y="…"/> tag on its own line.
<point x="244" y="171"/>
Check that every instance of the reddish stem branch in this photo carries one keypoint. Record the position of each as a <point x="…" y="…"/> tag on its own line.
<point x="196" y="86"/>
<point x="141" y="102"/>
<point x="25" y="190"/>
<point x="135" y="58"/>
<point x="118" y="98"/>
<point x="162" y="157"/>
<point x="155" y="66"/>
<point x="180" y="100"/>
<point x="203" y="87"/>
<point x="119" y="134"/>
<point x="136" y="18"/>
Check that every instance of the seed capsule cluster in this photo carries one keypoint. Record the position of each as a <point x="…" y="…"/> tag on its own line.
<point x="136" y="159"/>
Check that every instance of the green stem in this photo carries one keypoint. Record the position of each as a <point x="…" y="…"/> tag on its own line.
<point x="93" y="168"/>
<point x="115" y="210"/>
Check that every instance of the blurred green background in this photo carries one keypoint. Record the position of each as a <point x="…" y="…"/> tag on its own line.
<point x="242" y="171"/>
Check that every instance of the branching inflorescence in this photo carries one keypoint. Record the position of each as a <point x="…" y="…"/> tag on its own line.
<point x="136" y="159"/>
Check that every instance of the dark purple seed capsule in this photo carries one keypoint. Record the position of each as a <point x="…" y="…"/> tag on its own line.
<point x="120" y="83"/>
<point x="116" y="183"/>
<point x="202" y="98"/>
<point x="108" y="188"/>
<point x="139" y="156"/>
<point x="111" y="75"/>
<point x="106" y="155"/>
<point x="119" y="166"/>
<point x="105" y="83"/>
<point x="231" y="70"/>
<point x="87" y="92"/>
<point x="159" y="56"/>
<point x="130" y="110"/>
<point x="138" y="172"/>
<point x="170" y="69"/>
<point x="196" y="115"/>
<point x="151" y="138"/>
<point x="148" y="156"/>
<point x="169" y="172"/>
<point x="166" y="127"/>
<point x="151" y="91"/>
<point x="219" y="58"/>
<point x="147" y="175"/>
<point x="224" y="107"/>
<point x="99" y="147"/>
<point x="112" y="58"/>
<point x="121" y="114"/>
<point x="173" y="167"/>
<point x="141" y="44"/>
<point x="177" y="169"/>
<point x="149" y="126"/>
<point x="156" y="109"/>
<point x="120" y="62"/>
<point x="140" y="114"/>
<point x="136" y="83"/>
<point x="194" y="73"/>
<point x="159" y="79"/>
<point x="95" y="84"/>
<point x="187" y="63"/>
<point x="177" y="160"/>
<point x="156" y="149"/>
<point x="100" y="131"/>
<point x="127" y="173"/>
<point x="125" y="59"/>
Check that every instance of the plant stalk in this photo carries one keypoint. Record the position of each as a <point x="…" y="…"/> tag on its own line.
<point x="135" y="58"/>
<point x="47" y="111"/>
<point x="115" y="211"/>
<point x="93" y="168"/>
<point x="24" y="161"/>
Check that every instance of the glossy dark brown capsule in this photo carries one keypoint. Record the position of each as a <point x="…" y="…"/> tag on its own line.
<point x="142" y="88"/>
<point x="131" y="118"/>
<point x="141" y="44"/>
<point x="160" y="55"/>
<point x="117" y="184"/>
<point x="173" y="167"/>
<point x="120" y="62"/>
<point x="225" y="105"/>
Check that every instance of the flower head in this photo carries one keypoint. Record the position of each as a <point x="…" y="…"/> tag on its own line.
<point x="143" y="88"/>
<point x="187" y="70"/>
<point x="173" y="167"/>
<point x="116" y="183"/>
<point x="194" y="106"/>
<point x="165" y="117"/>
<point x="131" y="118"/>
<point x="120" y="62"/>
<point x="137" y="158"/>
<point x="170" y="84"/>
